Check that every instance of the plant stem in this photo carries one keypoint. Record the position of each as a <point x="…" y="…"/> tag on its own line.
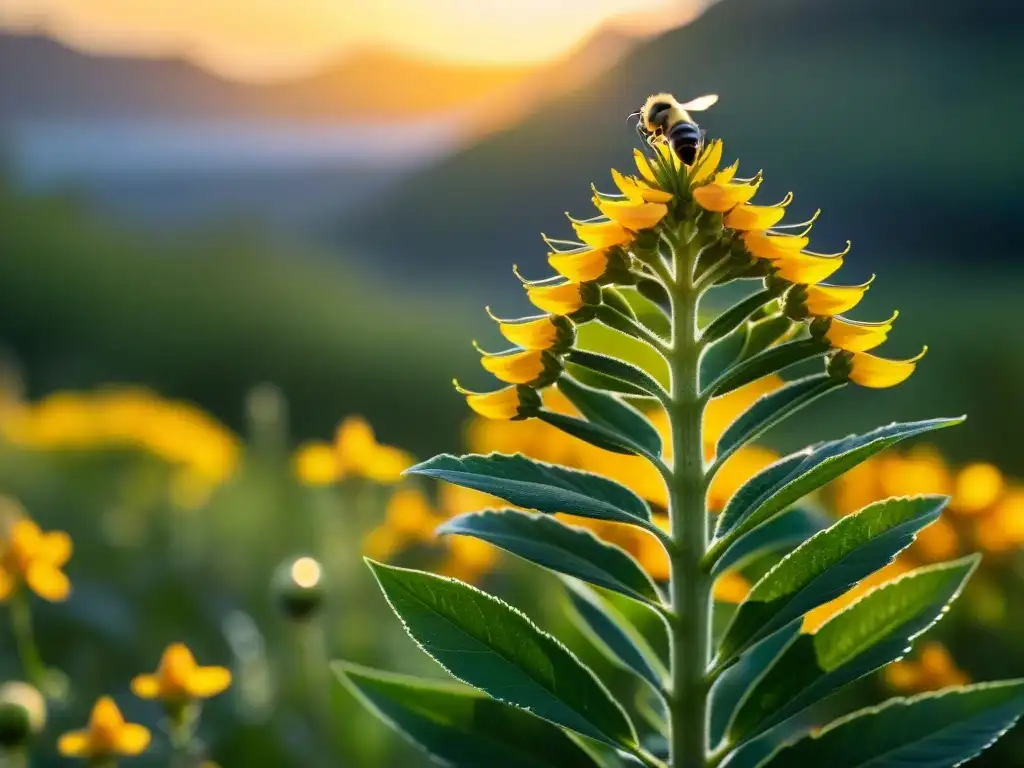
<point x="28" y="653"/>
<point x="690" y="587"/>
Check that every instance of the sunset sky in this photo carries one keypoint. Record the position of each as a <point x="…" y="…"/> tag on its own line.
<point x="268" y="39"/>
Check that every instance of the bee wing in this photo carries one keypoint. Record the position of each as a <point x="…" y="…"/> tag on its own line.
<point x="700" y="103"/>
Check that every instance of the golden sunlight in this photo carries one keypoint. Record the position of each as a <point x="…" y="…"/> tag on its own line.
<point x="271" y="39"/>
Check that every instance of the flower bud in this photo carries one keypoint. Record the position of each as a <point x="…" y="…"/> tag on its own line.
<point x="794" y="302"/>
<point x="22" y="714"/>
<point x="840" y="365"/>
<point x="298" y="588"/>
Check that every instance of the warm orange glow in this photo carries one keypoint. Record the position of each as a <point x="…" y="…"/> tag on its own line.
<point x="260" y="39"/>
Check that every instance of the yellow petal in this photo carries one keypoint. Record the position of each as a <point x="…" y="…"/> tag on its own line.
<point x="726" y="175"/>
<point x="668" y="156"/>
<point x="643" y="166"/>
<point x="632" y="215"/>
<point x="707" y="163"/>
<point x="177" y="665"/>
<point x="408" y="514"/>
<point x="133" y="739"/>
<point x="353" y="438"/>
<point x="806" y="268"/>
<point x="55" y="548"/>
<point x="638" y="190"/>
<point x="536" y="333"/>
<point x="75" y="744"/>
<point x="564" y="299"/>
<point x="503" y="404"/>
<point x="146" y="686"/>
<point x="731" y="587"/>
<point x="828" y="300"/>
<point x="522" y="367"/>
<point x="580" y="266"/>
<point x="878" y="372"/>
<point x="25" y="536"/>
<point x="316" y="463"/>
<point x="857" y="337"/>
<point x="724" y="197"/>
<point x="48" y="582"/>
<point x="602" y="234"/>
<point x="105" y="716"/>
<point x="757" y="217"/>
<point x="772" y="246"/>
<point x="386" y="464"/>
<point x="209" y="681"/>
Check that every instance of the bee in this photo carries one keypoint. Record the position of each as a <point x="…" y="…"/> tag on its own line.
<point x="662" y="115"/>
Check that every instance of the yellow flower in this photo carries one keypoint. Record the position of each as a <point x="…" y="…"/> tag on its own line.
<point x="635" y="189"/>
<point x="360" y="455"/>
<point x="179" y="680"/>
<point x="707" y="162"/>
<point x="634" y="215"/>
<point x="409" y="515"/>
<point x="643" y="166"/>
<point x="107" y="736"/>
<point x="933" y="669"/>
<point x="879" y="372"/>
<point x="539" y="333"/>
<point x="757" y="217"/>
<point x="35" y="559"/>
<point x="582" y="265"/>
<point x="828" y="300"/>
<point x="855" y="336"/>
<point x="727" y="174"/>
<point x="527" y="366"/>
<point x="721" y="196"/>
<point x="806" y="268"/>
<point x="561" y="299"/>
<point x="510" y="403"/>
<point x="602" y="234"/>
<point x="978" y="487"/>
<point x="939" y="541"/>
<point x="316" y="463"/>
<point x="731" y="587"/>
<point x="382" y="543"/>
<point x="773" y="245"/>
<point x="468" y="559"/>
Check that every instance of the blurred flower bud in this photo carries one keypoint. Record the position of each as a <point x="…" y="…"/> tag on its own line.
<point x="298" y="588"/>
<point x="22" y="713"/>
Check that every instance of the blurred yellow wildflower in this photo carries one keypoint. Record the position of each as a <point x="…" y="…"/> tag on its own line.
<point x="354" y="453"/>
<point x="933" y="669"/>
<point x="126" y="417"/>
<point x="107" y="736"/>
<point x="179" y="680"/>
<point x="34" y="558"/>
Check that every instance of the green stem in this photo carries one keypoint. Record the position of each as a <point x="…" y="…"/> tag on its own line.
<point x="690" y="586"/>
<point x="183" y="721"/>
<point x="28" y="653"/>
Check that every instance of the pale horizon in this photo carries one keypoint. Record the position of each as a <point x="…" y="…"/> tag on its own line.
<point x="266" y="40"/>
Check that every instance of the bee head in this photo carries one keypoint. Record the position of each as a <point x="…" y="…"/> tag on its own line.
<point x="658" y="112"/>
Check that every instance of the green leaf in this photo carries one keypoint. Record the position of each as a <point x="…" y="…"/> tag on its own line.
<point x="611" y="636"/>
<point x="562" y="548"/>
<point x="933" y="730"/>
<point x="460" y="725"/>
<point x="611" y="298"/>
<point x="736" y="315"/>
<point x="602" y="382"/>
<point x="620" y="370"/>
<point x="772" y="360"/>
<point x="490" y="645"/>
<point x="723" y="353"/>
<point x="786" y="530"/>
<point x="727" y="691"/>
<point x="870" y="633"/>
<point x="643" y="620"/>
<point x="827" y="565"/>
<point x="531" y="484"/>
<point x="647" y="311"/>
<point x="596" y="435"/>
<point x="765" y="332"/>
<point x="615" y="416"/>
<point x="771" y="491"/>
<point x="771" y="409"/>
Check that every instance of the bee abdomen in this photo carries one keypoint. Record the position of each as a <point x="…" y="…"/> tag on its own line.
<point x="684" y="138"/>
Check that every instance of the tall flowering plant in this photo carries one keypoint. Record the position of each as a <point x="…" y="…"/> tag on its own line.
<point x="716" y="687"/>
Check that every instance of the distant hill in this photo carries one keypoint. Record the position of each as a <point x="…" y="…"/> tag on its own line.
<point x="53" y="81"/>
<point x="900" y="118"/>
